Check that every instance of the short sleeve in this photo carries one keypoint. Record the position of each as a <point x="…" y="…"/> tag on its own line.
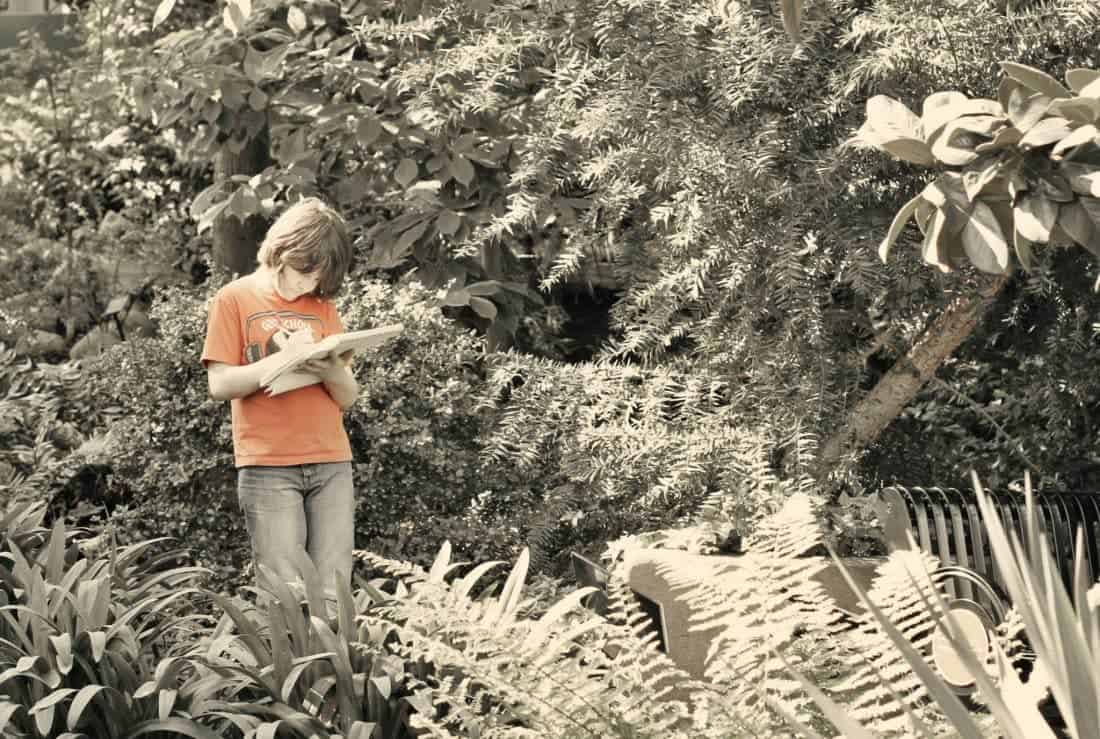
<point x="224" y="341"/>
<point x="335" y="324"/>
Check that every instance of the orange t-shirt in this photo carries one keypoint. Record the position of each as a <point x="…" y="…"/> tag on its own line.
<point x="248" y="321"/>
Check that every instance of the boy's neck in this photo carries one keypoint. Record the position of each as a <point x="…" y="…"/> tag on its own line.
<point x="269" y="280"/>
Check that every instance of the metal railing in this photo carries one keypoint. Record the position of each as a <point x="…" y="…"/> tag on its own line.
<point x="947" y="524"/>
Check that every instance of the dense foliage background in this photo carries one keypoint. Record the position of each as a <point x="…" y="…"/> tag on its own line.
<point x="656" y="206"/>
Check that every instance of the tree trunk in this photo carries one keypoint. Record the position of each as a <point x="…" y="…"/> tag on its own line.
<point x="236" y="243"/>
<point x="872" y="415"/>
<point x="497" y="339"/>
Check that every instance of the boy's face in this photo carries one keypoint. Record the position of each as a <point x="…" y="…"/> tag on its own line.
<point x="293" y="284"/>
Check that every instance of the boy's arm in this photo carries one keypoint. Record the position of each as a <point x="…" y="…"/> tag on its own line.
<point x="228" y="381"/>
<point x="337" y="378"/>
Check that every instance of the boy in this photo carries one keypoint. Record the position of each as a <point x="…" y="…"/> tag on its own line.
<point x="292" y="454"/>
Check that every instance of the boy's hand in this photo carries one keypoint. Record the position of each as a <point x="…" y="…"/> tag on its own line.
<point x="328" y="368"/>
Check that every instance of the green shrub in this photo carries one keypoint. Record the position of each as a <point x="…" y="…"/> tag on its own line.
<point x="414" y="433"/>
<point x="83" y="630"/>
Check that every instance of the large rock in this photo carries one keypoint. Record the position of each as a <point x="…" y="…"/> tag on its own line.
<point x="38" y="344"/>
<point x="94" y="342"/>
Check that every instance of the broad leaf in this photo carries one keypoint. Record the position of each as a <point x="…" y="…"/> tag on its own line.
<point x="448" y="222"/>
<point x="296" y="20"/>
<point x="979" y="178"/>
<point x="164" y="9"/>
<point x="933" y="251"/>
<point x="456" y="298"/>
<point x="1078" y="79"/>
<point x="1034" y="216"/>
<point x="1035" y="79"/>
<point x="1078" y="224"/>
<point x="232" y="19"/>
<point x="484" y="288"/>
<point x="1046" y="132"/>
<point x="1078" y="110"/>
<point x="960" y="138"/>
<point x="897" y="225"/>
<point x="462" y="170"/>
<point x="1084" y="179"/>
<point x="939" y="111"/>
<point x="483" y="307"/>
<point x="890" y="120"/>
<point x="1091" y="90"/>
<point x="1082" y="135"/>
<point x="368" y="130"/>
<point x="914" y="151"/>
<point x="1023" y="251"/>
<point x="439" y="566"/>
<point x="984" y="242"/>
<point x="1025" y="109"/>
<point x="406" y="172"/>
<point x="939" y="108"/>
<point x="182" y="727"/>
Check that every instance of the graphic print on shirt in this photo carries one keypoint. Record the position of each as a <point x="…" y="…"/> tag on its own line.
<point x="269" y="331"/>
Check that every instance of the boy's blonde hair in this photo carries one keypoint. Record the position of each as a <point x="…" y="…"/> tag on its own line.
<point x="310" y="236"/>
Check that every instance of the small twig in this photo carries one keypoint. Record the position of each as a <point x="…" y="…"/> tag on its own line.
<point x="950" y="42"/>
<point x="1017" y="445"/>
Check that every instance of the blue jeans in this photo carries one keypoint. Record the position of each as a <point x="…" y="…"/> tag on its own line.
<point x="308" y="508"/>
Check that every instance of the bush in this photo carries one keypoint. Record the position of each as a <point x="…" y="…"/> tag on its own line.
<point x="414" y="433"/>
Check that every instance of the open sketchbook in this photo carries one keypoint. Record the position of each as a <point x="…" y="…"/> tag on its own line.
<point x="285" y="376"/>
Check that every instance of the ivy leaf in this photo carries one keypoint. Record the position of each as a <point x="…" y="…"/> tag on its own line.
<point x="204" y="200"/>
<point x="257" y="100"/>
<point x="1034" y="216"/>
<point x="448" y="222"/>
<point x="163" y="11"/>
<point x="1035" y="79"/>
<point x="406" y="172"/>
<point x="426" y="190"/>
<point x="211" y="214"/>
<point x="462" y="170"/>
<point x="253" y="63"/>
<point x="407" y="239"/>
<point x="296" y="20"/>
<point x="368" y="130"/>
<point x="984" y="242"/>
<point x="897" y="226"/>
<point x="232" y="95"/>
<point x="484" y="308"/>
<point x="293" y="147"/>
